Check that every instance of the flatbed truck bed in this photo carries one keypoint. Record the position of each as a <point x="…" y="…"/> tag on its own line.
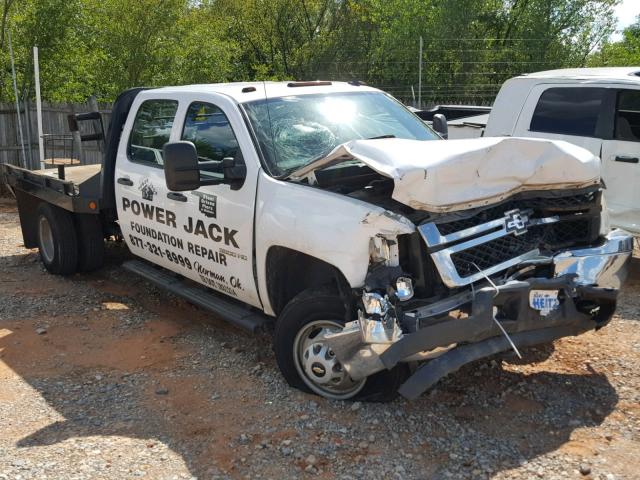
<point x="78" y="192"/>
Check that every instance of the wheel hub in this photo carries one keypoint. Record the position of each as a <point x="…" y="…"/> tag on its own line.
<point x="46" y="239"/>
<point x="318" y="365"/>
<point x="321" y="365"/>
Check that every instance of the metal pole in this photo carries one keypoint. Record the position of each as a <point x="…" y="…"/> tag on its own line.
<point x="97" y="124"/>
<point x="36" y="68"/>
<point x="15" y="92"/>
<point x="420" y="75"/>
<point x="28" y="133"/>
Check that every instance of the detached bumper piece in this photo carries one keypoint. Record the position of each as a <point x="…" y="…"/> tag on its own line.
<point x="582" y="308"/>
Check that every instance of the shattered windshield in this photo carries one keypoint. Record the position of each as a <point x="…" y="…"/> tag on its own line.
<point x="295" y="130"/>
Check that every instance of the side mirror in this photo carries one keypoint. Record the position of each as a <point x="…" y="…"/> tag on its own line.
<point x="181" y="169"/>
<point x="440" y="125"/>
<point x="234" y="170"/>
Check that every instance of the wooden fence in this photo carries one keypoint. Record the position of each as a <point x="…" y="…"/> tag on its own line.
<point x="54" y="122"/>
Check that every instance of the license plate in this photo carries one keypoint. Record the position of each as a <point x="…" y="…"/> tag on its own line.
<point x="544" y="300"/>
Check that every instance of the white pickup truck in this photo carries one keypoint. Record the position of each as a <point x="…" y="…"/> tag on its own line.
<point x="383" y="257"/>
<point x="595" y="108"/>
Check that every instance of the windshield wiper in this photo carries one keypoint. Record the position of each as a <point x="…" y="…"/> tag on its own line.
<point x="382" y="136"/>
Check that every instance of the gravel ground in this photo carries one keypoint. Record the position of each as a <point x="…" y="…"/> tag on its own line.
<point x="105" y="376"/>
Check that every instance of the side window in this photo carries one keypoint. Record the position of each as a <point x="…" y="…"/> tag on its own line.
<point x="151" y="130"/>
<point x="628" y="116"/>
<point x="568" y="111"/>
<point x="210" y="131"/>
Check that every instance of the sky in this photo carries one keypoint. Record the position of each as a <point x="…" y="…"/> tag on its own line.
<point x="626" y="12"/>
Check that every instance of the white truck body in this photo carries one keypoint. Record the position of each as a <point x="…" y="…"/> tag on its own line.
<point x="595" y="108"/>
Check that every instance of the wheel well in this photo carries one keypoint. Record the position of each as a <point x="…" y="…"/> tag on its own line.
<point x="290" y="272"/>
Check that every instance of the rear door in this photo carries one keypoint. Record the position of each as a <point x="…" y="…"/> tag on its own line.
<point x="148" y="226"/>
<point x="561" y="112"/>
<point x="621" y="162"/>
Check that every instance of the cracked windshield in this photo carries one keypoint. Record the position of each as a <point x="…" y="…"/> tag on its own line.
<point x="307" y="127"/>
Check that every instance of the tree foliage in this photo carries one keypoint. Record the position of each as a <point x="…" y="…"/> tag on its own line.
<point x="470" y="46"/>
<point x="625" y="52"/>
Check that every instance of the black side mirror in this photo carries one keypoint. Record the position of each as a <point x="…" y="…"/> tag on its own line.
<point x="440" y="125"/>
<point x="235" y="170"/>
<point x="181" y="169"/>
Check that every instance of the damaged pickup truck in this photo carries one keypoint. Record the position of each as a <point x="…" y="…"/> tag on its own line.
<point x="384" y="256"/>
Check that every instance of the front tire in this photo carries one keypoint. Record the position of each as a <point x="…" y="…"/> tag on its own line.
<point x="308" y="365"/>
<point x="57" y="241"/>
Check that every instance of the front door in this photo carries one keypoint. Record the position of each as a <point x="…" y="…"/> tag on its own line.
<point x="216" y="221"/>
<point x="621" y="163"/>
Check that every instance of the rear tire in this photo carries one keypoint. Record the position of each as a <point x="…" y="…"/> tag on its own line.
<point x="57" y="239"/>
<point x="321" y="308"/>
<point x="90" y="242"/>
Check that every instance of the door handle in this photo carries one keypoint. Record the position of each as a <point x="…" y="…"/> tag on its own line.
<point x="125" y="181"/>
<point x="178" y="197"/>
<point x="627" y="159"/>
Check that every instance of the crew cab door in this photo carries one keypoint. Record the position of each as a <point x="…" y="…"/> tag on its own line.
<point x="148" y="226"/>
<point x="207" y="234"/>
<point x="621" y="162"/>
<point x="218" y="219"/>
<point x="565" y="112"/>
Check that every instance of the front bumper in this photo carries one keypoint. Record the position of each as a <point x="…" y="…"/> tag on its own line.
<point x="587" y="280"/>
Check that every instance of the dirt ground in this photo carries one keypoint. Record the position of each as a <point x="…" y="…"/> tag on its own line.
<point x="104" y="376"/>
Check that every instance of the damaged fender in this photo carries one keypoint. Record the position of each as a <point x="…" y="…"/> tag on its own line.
<point x="325" y="228"/>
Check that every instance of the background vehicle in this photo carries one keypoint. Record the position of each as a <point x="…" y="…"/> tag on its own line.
<point x="332" y="208"/>
<point x="595" y="108"/>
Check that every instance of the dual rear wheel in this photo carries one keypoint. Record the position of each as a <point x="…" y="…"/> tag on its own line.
<point x="68" y="242"/>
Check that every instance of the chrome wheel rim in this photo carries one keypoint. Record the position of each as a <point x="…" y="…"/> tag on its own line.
<point x="318" y="366"/>
<point x="47" y="248"/>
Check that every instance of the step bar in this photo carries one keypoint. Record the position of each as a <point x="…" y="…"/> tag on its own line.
<point x="235" y="313"/>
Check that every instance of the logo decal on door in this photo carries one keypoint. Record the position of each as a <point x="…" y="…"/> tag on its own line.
<point x="147" y="189"/>
<point x="208" y="204"/>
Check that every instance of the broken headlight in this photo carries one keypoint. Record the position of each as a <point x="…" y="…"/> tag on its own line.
<point x="383" y="251"/>
<point x="375" y="304"/>
<point x="404" y="289"/>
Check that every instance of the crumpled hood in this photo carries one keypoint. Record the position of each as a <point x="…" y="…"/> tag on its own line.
<point x="441" y="176"/>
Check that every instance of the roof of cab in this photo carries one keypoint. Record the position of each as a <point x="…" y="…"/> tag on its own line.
<point x="626" y="74"/>
<point x="249" y="91"/>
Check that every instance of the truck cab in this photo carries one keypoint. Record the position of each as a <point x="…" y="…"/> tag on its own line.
<point x="381" y="257"/>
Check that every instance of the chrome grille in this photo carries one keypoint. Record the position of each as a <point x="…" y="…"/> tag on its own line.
<point x="466" y="250"/>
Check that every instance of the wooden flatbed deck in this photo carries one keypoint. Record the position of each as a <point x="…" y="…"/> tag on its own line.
<point x="76" y="174"/>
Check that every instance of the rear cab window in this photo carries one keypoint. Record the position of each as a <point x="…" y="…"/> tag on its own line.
<point x="151" y="130"/>
<point x="569" y="111"/>
<point x="208" y="128"/>
<point x="627" y="124"/>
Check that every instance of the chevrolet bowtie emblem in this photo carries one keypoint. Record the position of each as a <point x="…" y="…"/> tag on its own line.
<point x="516" y="222"/>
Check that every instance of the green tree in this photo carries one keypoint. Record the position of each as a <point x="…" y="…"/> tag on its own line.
<point x="623" y="53"/>
<point x="101" y="47"/>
